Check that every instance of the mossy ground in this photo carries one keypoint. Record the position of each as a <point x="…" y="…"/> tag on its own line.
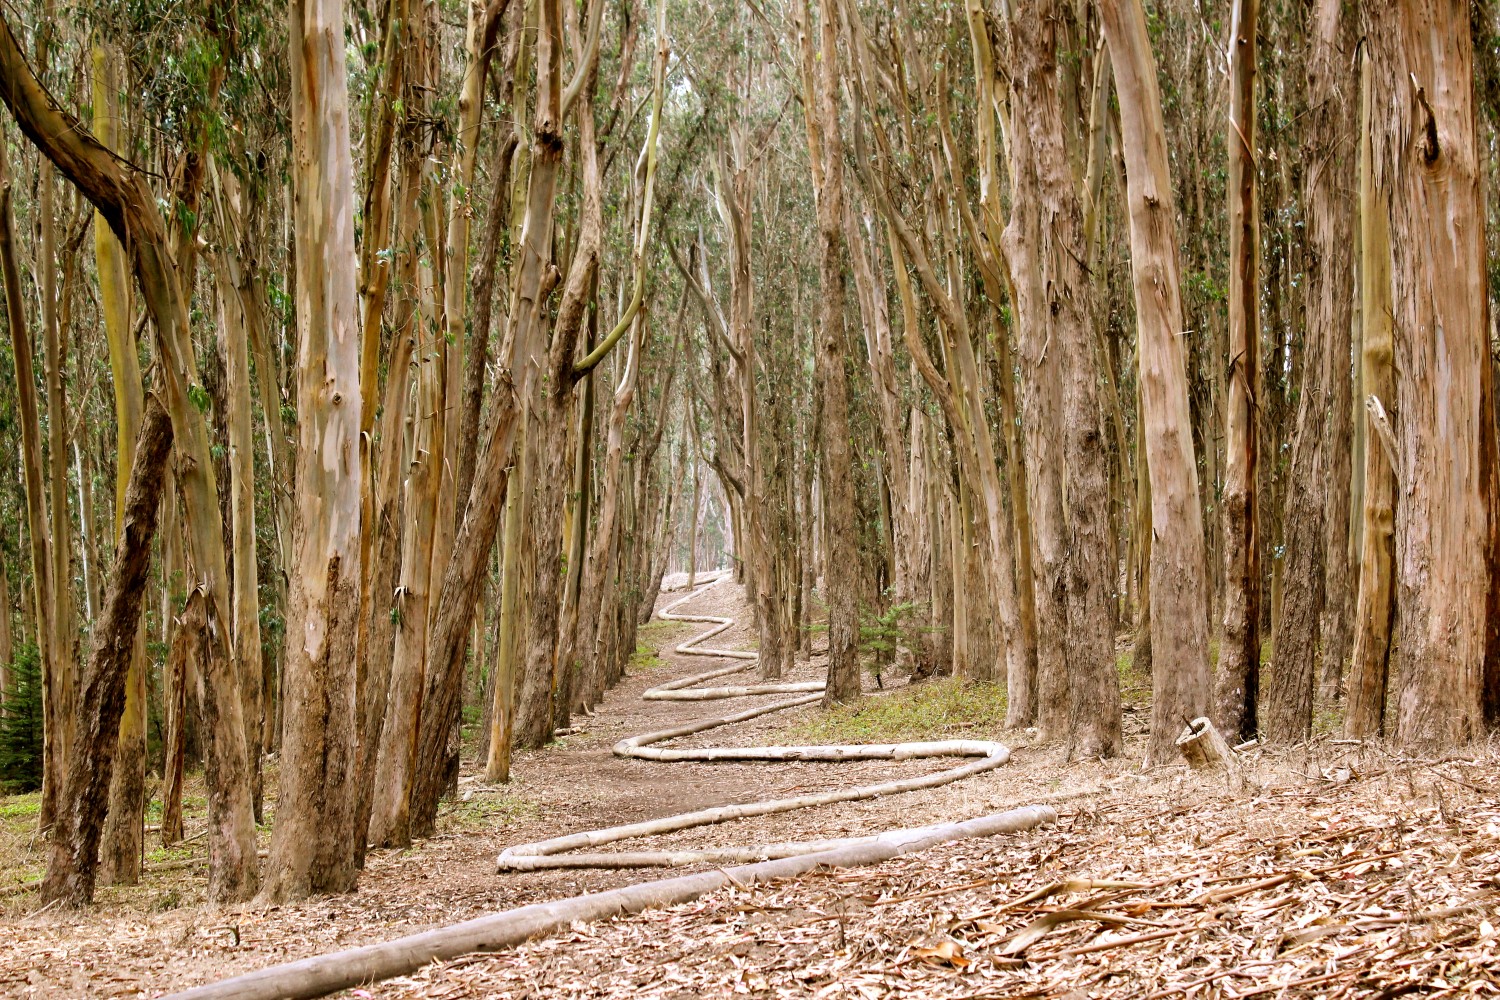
<point x="938" y="709"/>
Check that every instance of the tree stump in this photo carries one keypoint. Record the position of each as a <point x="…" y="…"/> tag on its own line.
<point x="1204" y="748"/>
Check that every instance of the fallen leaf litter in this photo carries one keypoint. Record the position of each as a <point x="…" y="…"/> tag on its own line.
<point x="1376" y="876"/>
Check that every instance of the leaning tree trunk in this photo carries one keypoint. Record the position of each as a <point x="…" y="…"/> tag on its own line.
<point x="37" y="528"/>
<point x="1179" y="589"/>
<point x="448" y="631"/>
<point x="312" y="845"/>
<point x="397" y="766"/>
<point x="124" y="828"/>
<point x="73" y="862"/>
<point x="401" y="666"/>
<point x="384" y="539"/>
<point x="126" y="203"/>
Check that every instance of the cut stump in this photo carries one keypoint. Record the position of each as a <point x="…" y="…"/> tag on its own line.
<point x="1205" y="749"/>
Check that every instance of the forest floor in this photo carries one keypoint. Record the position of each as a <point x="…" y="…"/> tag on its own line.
<point x="1337" y="869"/>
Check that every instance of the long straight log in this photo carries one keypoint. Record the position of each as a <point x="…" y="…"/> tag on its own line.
<point x="324" y="974"/>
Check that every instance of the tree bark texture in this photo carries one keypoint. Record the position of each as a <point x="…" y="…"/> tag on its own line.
<point x="312" y="845"/>
<point x="1179" y="586"/>
<point x="126" y="203"/>
<point x="1426" y="158"/>
<point x="73" y="860"/>
<point x="1238" y="686"/>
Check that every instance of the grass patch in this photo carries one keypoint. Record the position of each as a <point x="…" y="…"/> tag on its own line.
<point x="937" y="709"/>
<point x="174" y="852"/>
<point x="645" y="658"/>
<point x="14" y="807"/>
<point x="1135" y="685"/>
<point x="654" y="637"/>
<point x="491" y="809"/>
<point x="22" y="853"/>
<point x="1328" y="720"/>
<point x="660" y="633"/>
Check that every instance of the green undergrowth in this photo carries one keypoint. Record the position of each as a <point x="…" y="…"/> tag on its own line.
<point x="1135" y="685"/>
<point x="656" y="637"/>
<point x="173" y="852"/>
<point x="939" y="709"/>
<point x="645" y="658"/>
<point x="663" y="634"/>
<point x="21" y="853"/>
<point x="20" y="809"/>
<point x="491" y="809"/>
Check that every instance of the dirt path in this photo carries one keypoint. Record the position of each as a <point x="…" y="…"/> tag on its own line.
<point x="143" y="942"/>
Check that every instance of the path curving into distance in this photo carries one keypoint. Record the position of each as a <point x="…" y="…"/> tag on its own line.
<point x="320" y="975"/>
<point x="575" y="850"/>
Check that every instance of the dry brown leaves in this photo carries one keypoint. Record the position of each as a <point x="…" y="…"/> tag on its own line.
<point x="1360" y="875"/>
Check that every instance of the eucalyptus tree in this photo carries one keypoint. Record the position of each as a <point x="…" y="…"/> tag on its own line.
<point x="1179" y="618"/>
<point x="124" y="199"/>
<point x="1425" y="164"/>
<point x="1327" y="200"/>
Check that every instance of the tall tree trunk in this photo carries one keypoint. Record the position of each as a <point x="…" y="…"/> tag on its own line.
<point x="234" y="351"/>
<point x="1093" y="708"/>
<point x="126" y="203"/>
<point x="382" y="601"/>
<point x="312" y="845"/>
<point x="502" y="710"/>
<point x="397" y="766"/>
<point x="1179" y="587"/>
<point x="1327" y="195"/>
<point x="567" y="653"/>
<point x="449" y="629"/>
<point x="1238" y="685"/>
<point x="826" y="151"/>
<point x="481" y="26"/>
<point x="124" y="828"/>
<point x="37" y="527"/>
<point x="1375" y="603"/>
<point x="1041" y="384"/>
<point x="1425" y="156"/>
<point x="7" y="645"/>
<point x="1140" y="656"/>
<point x="60" y="670"/>
<point x="177" y="671"/>
<point x="603" y="553"/>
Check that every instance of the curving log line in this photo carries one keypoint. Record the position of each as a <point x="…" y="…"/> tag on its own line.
<point x="324" y="974"/>
<point x="558" y="851"/>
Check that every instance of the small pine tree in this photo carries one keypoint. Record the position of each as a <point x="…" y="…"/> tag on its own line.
<point x="880" y="635"/>
<point x="21" y="725"/>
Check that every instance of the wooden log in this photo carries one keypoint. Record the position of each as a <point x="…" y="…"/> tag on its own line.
<point x="548" y="853"/>
<point x="539" y="855"/>
<point x="324" y="974"/>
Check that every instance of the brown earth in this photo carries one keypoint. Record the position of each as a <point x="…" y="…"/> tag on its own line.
<point x="159" y="937"/>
